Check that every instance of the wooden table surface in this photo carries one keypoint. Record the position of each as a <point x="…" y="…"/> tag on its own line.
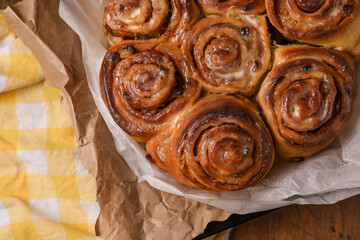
<point x="307" y="222"/>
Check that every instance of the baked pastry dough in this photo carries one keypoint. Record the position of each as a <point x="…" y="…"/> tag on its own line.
<point x="149" y="19"/>
<point x="307" y="98"/>
<point x="157" y="147"/>
<point x="330" y="23"/>
<point x="221" y="144"/>
<point x="177" y="80"/>
<point x="232" y="6"/>
<point x="145" y="86"/>
<point x="230" y="54"/>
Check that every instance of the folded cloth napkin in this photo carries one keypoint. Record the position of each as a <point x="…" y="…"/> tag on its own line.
<point x="45" y="192"/>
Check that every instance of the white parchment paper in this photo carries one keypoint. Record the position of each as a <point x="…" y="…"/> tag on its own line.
<point x="327" y="177"/>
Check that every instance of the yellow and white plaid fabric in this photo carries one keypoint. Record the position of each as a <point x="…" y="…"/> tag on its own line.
<point x="45" y="192"/>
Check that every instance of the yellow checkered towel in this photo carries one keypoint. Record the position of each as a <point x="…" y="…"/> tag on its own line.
<point x="45" y="192"/>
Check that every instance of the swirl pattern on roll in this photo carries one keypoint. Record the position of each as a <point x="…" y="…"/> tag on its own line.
<point x="157" y="146"/>
<point x="145" y="86"/>
<point x="221" y="144"/>
<point x="330" y="23"/>
<point x="149" y="19"/>
<point x="230" y="54"/>
<point x="307" y="98"/>
<point x="232" y="6"/>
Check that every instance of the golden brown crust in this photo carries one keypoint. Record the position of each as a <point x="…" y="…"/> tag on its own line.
<point x="230" y="54"/>
<point x="221" y="144"/>
<point x="149" y="19"/>
<point x="232" y="6"/>
<point x="145" y="85"/>
<point x="330" y="23"/>
<point x="152" y="83"/>
<point x="156" y="147"/>
<point x="307" y="98"/>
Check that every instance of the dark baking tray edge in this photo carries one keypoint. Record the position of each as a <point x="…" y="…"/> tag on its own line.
<point x="232" y="221"/>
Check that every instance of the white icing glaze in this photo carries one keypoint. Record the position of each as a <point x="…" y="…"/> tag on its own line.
<point x="251" y="19"/>
<point x="296" y="111"/>
<point x="134" y="13"/>
<point x="235" y="75"/>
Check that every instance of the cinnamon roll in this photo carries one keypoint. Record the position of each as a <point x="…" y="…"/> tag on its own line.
<point x="307" y="98"/>
<point x="145" y="86"/>
<point x="149" y="19"/>
<point x="230" y="54"/>
<point x="156" y="147"/>
<point x="221" y="144"/>
<point x="330" y="23"/>
<point x="232" y="6"/>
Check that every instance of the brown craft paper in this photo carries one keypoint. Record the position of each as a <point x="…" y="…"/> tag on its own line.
<point x="129" y="210"/>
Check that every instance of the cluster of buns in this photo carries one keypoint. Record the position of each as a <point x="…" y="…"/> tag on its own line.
<point x="213" y="98"/>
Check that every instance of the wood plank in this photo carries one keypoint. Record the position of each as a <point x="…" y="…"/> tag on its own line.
<point x="305" y="222"/>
